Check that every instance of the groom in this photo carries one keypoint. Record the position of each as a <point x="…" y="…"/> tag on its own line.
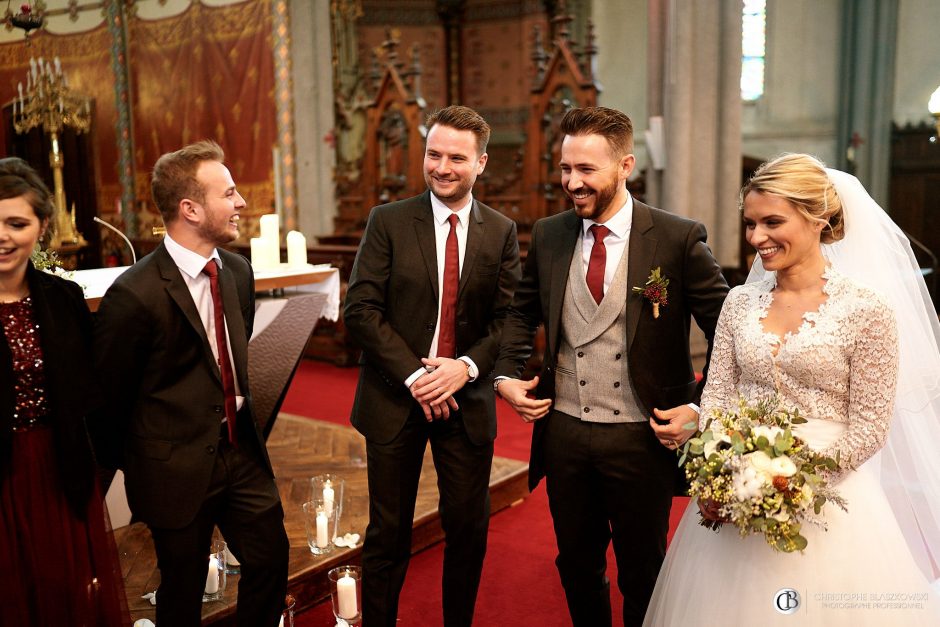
<point x="617" y="385"/>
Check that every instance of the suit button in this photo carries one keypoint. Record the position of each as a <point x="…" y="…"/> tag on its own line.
<point x="583" y="382"/>
<point x="616" y="412"/>
<point x="429" y="327"/>
<point x="616" y="384"/>
<point x="617" y="356"/>
<point x="580" y="354"/>
<point x="217" y="409"/>
<point x="587" y="410"/>
<point x="210" y="449"/>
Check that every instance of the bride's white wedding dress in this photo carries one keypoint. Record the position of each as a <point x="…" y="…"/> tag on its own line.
<point x="840" y="370"/>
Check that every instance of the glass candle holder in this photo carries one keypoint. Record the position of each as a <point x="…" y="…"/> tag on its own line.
<point x="320" y="523"/>
<point x="287" y="616"/>
<point x="215" y="577"/>
<point x="346" y="591"/>
<point x="329" y="487"/>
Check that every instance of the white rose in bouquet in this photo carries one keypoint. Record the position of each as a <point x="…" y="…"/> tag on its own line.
<point x="768" y="432"/>
<point x="782" y="466"/>
<point x="759" y="460"/>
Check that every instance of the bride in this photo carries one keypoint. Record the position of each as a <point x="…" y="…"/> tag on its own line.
<point x="835" y="320"/>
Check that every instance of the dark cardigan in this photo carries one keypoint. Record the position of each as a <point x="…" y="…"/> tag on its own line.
<point x="65" y="330"/>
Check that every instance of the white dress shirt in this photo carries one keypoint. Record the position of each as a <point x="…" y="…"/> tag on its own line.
<point x="190" y="265"/>
<point x="616" y="241"/>
<point x="442" y="214"/>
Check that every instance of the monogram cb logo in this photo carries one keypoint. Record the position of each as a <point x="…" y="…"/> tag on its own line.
<point x="787" y="601"/>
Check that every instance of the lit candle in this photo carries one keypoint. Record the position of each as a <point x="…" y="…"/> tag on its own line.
<point x="346" y="591"/>
<point x="19" y="88"/>
<point x="58" y="66"/>
<point x="212" y="578"/>
<point x="323" y="536"/>
<point x="328" y="495"/>
<point x="297" y="258"/>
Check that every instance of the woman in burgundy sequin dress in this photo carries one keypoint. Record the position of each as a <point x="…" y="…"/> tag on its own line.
<point x="58" y="561"/>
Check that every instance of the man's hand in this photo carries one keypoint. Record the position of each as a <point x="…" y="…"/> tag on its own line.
<point x="444" y="378"/>
<point x="433" y="410"/>
<point x="515" y="392"/>
<point x="682" y="423"/>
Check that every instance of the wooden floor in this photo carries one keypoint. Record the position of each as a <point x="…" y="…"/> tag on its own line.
<point x="301" y="448"/>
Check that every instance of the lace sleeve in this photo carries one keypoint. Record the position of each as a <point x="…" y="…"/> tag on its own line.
<point x="873" y="376"/>
<point x="723" y="371"/>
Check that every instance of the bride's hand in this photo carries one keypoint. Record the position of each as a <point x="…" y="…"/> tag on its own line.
<point x="711" y="510"/>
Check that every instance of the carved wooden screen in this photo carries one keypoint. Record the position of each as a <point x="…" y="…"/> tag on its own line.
<point x="394" y="144"/>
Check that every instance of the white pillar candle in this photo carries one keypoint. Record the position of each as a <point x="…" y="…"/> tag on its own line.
<point x="323" y="535"/>
<point x="328" y="496"/>
<point x="212" y="578"/>
<point x="346" y="591"/>
<point x="271" y="235"/>
<point x="296" y="250"/>
<point x="281" y="623"/>
<point x="259" y="259"/>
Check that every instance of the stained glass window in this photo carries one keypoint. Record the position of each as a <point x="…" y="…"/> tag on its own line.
<point x="753" y="49"/>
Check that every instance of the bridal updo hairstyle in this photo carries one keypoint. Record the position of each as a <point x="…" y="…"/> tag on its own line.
<point x="801" y="180"/>
<point x="18" y="178"/>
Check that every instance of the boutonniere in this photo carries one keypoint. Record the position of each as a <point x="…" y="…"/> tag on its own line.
<point x="655" y="290"/>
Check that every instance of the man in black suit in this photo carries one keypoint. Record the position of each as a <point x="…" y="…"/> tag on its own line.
<point x="172" y="343"/>
<point x="426" y="300"/>
<point x="616" y="375"/>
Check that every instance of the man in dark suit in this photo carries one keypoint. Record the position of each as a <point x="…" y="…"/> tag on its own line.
<point x="611" y="402"/>
<point x="172" y="344"/>
<point x="426" y="300"/>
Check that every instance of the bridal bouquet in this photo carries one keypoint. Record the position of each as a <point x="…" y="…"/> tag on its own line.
<point x="750" y="468"/>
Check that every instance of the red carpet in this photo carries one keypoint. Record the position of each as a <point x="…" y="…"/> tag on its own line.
<point x="520" y="585"/>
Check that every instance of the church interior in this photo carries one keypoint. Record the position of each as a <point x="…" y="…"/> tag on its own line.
<point x="320" y="107"/>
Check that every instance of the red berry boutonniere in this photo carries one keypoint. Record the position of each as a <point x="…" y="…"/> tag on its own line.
<point x="655" y="290"/>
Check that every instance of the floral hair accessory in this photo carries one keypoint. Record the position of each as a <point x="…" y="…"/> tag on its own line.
<point x="655" y="290"/>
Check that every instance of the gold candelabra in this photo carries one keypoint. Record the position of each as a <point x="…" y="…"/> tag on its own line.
<point x="48" y="102"/>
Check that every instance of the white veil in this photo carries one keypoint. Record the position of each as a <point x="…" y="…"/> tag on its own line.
<point x="875" y="252"/>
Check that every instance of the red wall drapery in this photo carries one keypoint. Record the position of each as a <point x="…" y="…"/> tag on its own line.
<point x="207" y="73"/>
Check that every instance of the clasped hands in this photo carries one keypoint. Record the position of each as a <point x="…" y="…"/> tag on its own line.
<point x="435" y="390"/>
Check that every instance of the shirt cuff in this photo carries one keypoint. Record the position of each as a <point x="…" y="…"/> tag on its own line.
<point x="472" y="369"/>
<point x="694" y="408"/>
<point x="414" y="377"/>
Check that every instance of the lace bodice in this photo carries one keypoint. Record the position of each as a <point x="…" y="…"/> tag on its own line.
<point x="841" y="364"/>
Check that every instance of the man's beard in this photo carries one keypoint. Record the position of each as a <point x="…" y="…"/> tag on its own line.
<point x="602" y="200"/>
<point x="460" y="191"/>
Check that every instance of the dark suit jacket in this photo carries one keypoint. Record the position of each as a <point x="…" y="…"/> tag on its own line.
<point x="658" y="348"/>
<point x="65" y="335"/>
<point x="391" y="311"/>
<point x="165" y="405"/>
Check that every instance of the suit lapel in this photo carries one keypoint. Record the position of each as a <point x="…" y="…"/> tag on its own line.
<point x="475" y="233"/>
<point x="561" y="251"/>
<point x="178" y="291"/>
<point x="424" y="231"/>
<point x="235" y="324"/>
<point x="639" y="264"/>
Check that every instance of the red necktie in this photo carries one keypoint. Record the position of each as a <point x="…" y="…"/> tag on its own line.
<point x="446" y="340"/>
<point x="598" y="263"/>
<point x="225" y="364"/>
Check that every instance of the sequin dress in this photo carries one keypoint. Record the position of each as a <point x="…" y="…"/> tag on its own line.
<point x="64" y="568"/>
<point x="840" y="370"/>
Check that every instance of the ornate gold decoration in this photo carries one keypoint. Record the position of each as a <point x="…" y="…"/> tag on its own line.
<point x="48" y="102"/>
